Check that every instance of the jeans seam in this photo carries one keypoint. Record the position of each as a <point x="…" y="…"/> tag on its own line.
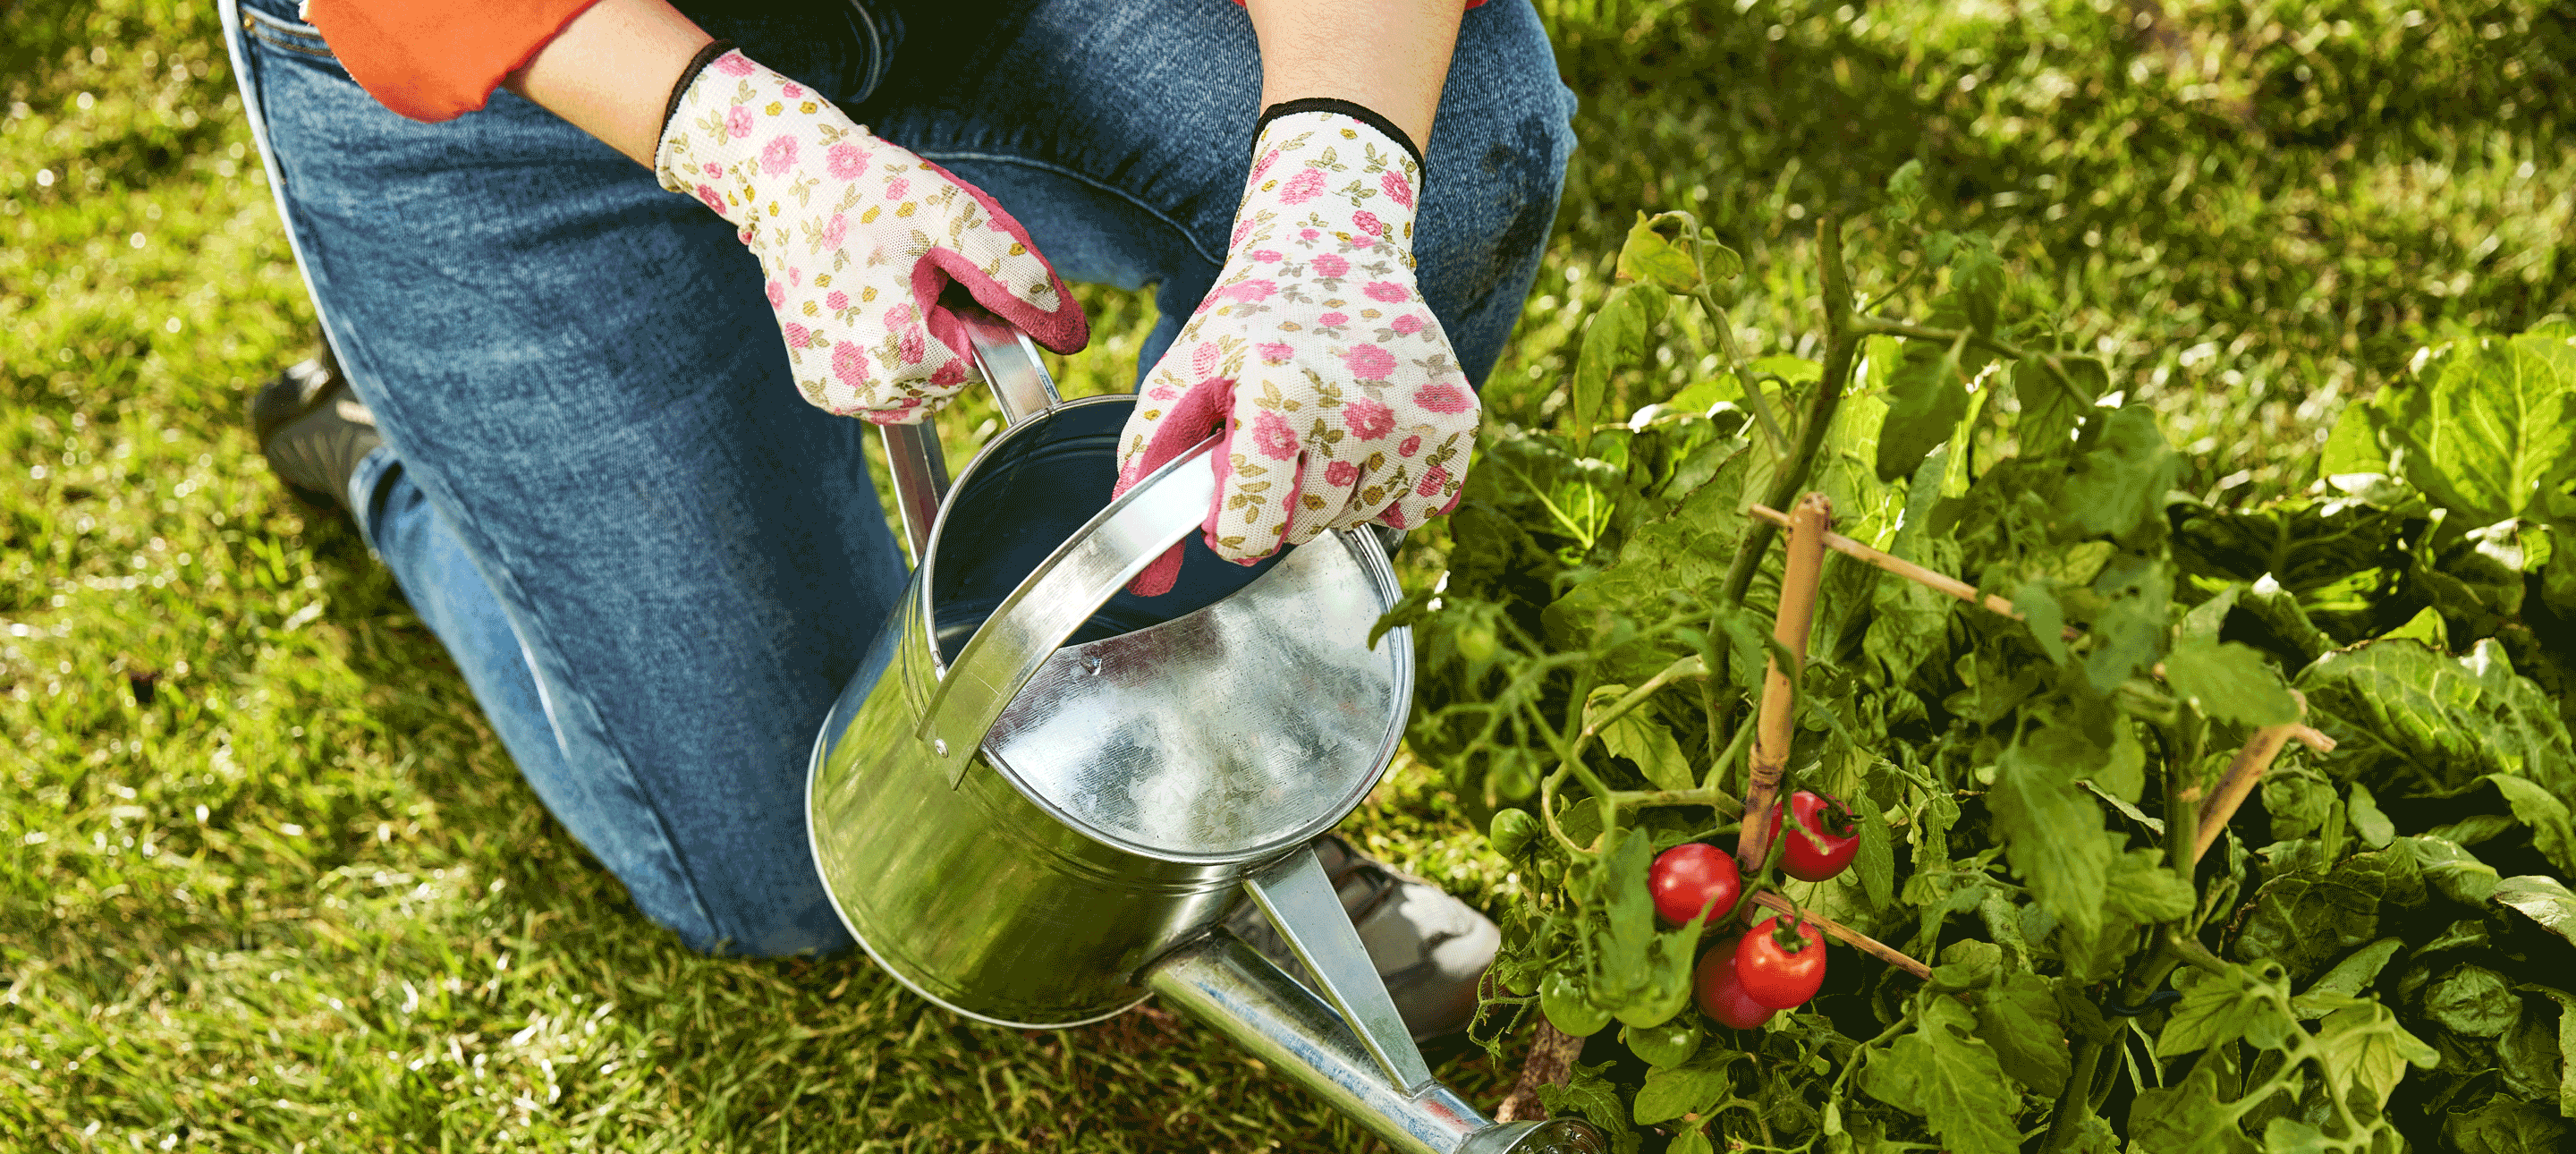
<point x="1095" y="182"/>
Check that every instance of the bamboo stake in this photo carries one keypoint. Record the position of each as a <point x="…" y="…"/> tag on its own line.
<point x="2247" y="768"/>
<point x="1551" y="1057"/>
<point x="1808" y="529"/>
<point x="1938" y="582"/>
<point x="1847" y="935"/>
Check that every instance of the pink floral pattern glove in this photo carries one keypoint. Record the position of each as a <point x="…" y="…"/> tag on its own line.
<point x="857" y="239"/>
<point x="1336" y="392"/>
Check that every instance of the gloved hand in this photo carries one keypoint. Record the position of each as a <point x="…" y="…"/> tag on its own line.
<point x="857" y="238"/>
<point x="1335" y="388"/>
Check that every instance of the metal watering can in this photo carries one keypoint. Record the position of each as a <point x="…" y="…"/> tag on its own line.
<point x="1040" y="795"/>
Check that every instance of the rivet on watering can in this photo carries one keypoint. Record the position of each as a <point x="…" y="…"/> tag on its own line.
<point x="939" y="745"/>
<point x="1091" y="664"/>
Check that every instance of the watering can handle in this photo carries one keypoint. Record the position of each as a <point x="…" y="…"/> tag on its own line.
<point x="1073" y="582"/>
<point x="1021" y="390"/>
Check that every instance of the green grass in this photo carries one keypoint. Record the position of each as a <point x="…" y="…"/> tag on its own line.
<point x="300" y="899"/>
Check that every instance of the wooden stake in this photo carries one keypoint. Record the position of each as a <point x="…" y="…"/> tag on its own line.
<point x="2247" y="768"/>
<point x="1847" y="935"/>
<point x="1550" y="1061"/>
<point x="1937" y="582"/>
<point x="1808" y="528"/>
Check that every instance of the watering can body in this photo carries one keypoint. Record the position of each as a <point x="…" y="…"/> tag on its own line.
<point x="1039" y="795"/>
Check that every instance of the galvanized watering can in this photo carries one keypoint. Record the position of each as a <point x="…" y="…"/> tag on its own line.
<point x="1040" y="795"/>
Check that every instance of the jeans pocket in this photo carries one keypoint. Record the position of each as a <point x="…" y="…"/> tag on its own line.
<point x="291" y="36"/>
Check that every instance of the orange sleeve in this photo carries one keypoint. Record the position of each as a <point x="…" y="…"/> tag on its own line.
<point x="437" y="61"/>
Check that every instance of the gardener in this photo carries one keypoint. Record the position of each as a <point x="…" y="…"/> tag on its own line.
<point x="607" y="325"/>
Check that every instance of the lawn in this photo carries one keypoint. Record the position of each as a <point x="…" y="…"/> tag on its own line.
<point x="272" y="884"/>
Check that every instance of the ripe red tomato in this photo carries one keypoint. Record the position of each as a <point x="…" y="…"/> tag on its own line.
<point x="1775" y="975"/>
<point x="1689" y="876"/>
<point x="1825" y="817"/>
<point x="1720" y="996"/>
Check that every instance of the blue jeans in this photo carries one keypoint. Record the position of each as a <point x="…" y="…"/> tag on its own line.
<point x="655" y="564"/>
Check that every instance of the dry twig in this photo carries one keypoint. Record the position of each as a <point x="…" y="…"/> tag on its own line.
<point x="2247" y="768"/>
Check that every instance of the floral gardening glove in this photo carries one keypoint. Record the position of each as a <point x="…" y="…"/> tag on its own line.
<point x="857" y="238"/>
<point x="1335" y="391"/>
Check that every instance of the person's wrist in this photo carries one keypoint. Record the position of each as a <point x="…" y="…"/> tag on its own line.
<point x="1350" y="108"/>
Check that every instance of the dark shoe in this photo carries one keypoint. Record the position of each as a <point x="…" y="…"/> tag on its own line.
<point x="1430" y="948"/>
<point x="313" y="430"/>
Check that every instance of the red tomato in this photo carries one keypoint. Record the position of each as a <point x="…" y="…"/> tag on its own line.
<point x="1687" y="877"/>
<point x="1823" y="816"/>
<point x="1720" y="996"/>
<point x="1775" y="975"/>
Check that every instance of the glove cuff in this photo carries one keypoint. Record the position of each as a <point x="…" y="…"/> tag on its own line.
<point x="689" y="76"/>
<point x="1356" y="111"/>
<point x="1326" y="168"/>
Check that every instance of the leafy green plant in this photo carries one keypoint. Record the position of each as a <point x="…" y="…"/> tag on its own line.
<point x="2126" y="771"/>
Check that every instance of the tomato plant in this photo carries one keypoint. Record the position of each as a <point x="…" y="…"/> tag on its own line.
<point x="2172" y="827"/>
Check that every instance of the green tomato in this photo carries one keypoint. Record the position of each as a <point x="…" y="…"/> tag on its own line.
<point x="1476" y="643"/>
<point x="1512" y="832"/>
<point x="1664" y="1046"/>
<point x="1568" y="1005"/>
<point x="1510" y="777"/>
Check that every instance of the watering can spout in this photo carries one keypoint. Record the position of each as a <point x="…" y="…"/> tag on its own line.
<point x="1354" y="1053"/>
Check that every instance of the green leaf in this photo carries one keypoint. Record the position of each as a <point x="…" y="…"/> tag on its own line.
<point x="2220" y="1008"/>
<point x="2144" y="890"/>
<point x="1904" y="191"/>
<point x="1616" y="340"/>
<point x="2363" y="1046"/>
<point x="2051" y="410"/>
<point x="1686" y="1089"/>
<point x="2374" y="827"/>
<point x="2455" y="872"/>
<point x="2543" y="899"/>
<point x="2566" y="1045"/>
<point x="2488" y="425"/>
<point x="2018" y="1016"/>
<point x="1945" y="1073"/>
<point x="2352" y="449"/>
<point x="1640" y="740"/>
<point x="1977" y="281"/>
<point x="2039" y="610"/>
<point x="2472" y="1000"/>
<point x="2121" y="481"/>
<point x="2053" y="833"/>
<point x="1588" y="1092"/>
<point x="1875" y="860"/>
<point x="2186" y="1119"/>
<point x="2426" y="626"/>
<point x="2305" y="918"/>
<point x="1650" y="258"/>
<point x="2552" y="833"/>
<point x="2347" y="979"/>
<point x="1925" y="399"/>
<point x="2229" y="682"/>
<point x="1627" y="934"/>
<point x="2401" y="713"/>
<point x="2505" y="1126"/>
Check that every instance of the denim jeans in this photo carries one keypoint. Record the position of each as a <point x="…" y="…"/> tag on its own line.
<point x="655" y="564"/>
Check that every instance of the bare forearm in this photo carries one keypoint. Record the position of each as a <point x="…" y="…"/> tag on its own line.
<point x="610" y="71"/>
<point x="1389" y="55"/>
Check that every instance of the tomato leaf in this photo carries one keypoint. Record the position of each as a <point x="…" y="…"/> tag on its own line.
<point x="2053" y="833"/>
<point x="1691" y="1088"/>
<point x="1875" y="860"/>
<point x="2363" y="1046"/>
<point x="1588" y="1092"/>
<point x="2119" y="484"/>
<point x="2018" y="1016"/>
<point x="1616" y="339"/>
<point x="2347" y="979"/>
<point x="1651" y="258"/>
<point x="2229" y="682"/>
<point x="2192" y="1118"/>
<point x="1640" y="740"/>
<point x="1926" y="396"/>
<point x="2052" y="409"/>
<point x="1952" y="1078"/>
<point x="2220" y="1008"/>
